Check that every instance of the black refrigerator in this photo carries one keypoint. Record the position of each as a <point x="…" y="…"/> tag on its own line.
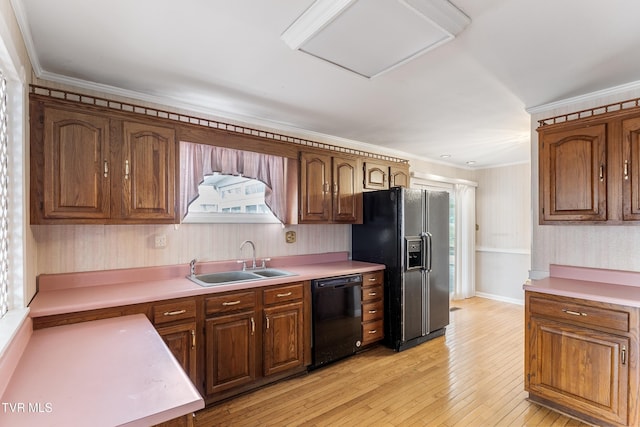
<point x="408" y="231"/>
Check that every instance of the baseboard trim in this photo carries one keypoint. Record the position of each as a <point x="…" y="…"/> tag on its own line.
<point x="500" y="298"/>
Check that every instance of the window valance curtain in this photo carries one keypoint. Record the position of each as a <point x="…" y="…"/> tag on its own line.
<point x="198" y="160"/>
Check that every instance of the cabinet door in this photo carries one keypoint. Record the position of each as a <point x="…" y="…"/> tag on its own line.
<point x="148" y="172"/>
<point x="76" y="165"/>
<point x="230" y="351"/>
<point x="573" y="175"/>
<point x="399" y="176"/>
<point x="181" y="340"/>
<point x="376" y="176"/>
<point x="631" y="169"/>
<point x="315" y="194"/>
<point x="283" y="338"/>
<point x="579" y="368"/>
<point x="347" y="191"/>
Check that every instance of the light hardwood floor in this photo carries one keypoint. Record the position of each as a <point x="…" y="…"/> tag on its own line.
<point x="473" y="376"/>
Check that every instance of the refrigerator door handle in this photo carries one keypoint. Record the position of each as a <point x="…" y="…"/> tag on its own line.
<point x="427" y="253"/>
<point x="427" y="256"/>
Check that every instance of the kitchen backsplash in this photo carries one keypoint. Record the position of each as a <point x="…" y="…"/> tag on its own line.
<point x="68" y="248"/>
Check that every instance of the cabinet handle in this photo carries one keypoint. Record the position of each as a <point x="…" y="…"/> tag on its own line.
<point x="253" y="326"/>
<point x="601" y="175"/>
<point x="325" y="187"/>
<point x="626" y="169"/>
<point x="372" y="279"/>
<point x="573" y="313"/>
<point x="335" y="188"/>
<point x="373" y="331"/>
<point x="624" y="355"/>
<point x="126" y="169"/>
<point x="372" y="294"/>
<point x="288" y="294"/>
<point x="373" y="311"/>
<point x="106" y="169"/>
<point x="267" y="322"/>
<point x="174" y="313"/>
<point x="227" y="303"/>
<point x="193" y="339"/>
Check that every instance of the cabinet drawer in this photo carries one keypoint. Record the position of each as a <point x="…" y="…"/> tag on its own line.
<point x="283" y="294"/>
<point x="230" y="302"/>
<point x="370" y="279"/>
<point x="581" y="313"/>
<point x="372" y="331"/>
<point x="372" y="311"/>
<point x="172" y="311"/>
<point x="371" y="293"/>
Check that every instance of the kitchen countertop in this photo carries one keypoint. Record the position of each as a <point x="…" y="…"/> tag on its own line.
<point x="73" y="292"/>
<point x="123" y="354"/>
<point x="610" y="286"/>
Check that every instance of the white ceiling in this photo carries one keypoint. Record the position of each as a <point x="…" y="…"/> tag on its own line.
<point x="466" y="98"/>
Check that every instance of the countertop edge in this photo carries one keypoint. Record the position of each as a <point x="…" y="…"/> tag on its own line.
<point x="592" y="291"/>
<point x="79" y="299"/>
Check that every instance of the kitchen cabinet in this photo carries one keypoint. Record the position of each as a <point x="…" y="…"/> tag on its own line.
<point x="573" y="181"/>
<point x="92" y="167"/>
<point x="589" y="170"/>
<point x="631" y="169"/>
<point x="230" y="341"/>
<point x="175" y="322"/>
<point x="372" y="307"/>
<point x="580" y="357"/>
<point x="381" y="175"/>
<point x="283" y="319"/>
<point x="330" y="189"/>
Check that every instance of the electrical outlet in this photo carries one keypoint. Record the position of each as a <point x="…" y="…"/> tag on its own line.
<point x="161" y="241"/>
<point x="290" y="236"/>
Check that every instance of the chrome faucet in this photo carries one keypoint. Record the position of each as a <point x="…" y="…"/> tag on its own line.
<point x="253" y="253"/>
<point x="192" y="267"/>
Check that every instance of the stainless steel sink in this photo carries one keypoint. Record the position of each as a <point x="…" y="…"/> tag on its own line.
<point x="226" y="277"/>
<point x="272" y="272"/>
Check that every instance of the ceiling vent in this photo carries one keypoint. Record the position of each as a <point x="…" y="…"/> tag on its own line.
<point x="371" y="37"/>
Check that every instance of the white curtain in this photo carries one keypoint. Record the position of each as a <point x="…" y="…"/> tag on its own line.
<point x="465" y="205"/>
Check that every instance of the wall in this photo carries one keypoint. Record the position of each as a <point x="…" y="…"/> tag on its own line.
<point x="503" y="239"/>
<point x="611" y="247"/>
<point x="65" y="248"/>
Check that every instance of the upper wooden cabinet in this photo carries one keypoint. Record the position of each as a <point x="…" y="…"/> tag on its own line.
<point x="89" y="167"/>
<point x="631" y="169"/>
<point x="589" y="170"/>
<point x="572" y="170"/>
<point x="381" y="176"/>
<point x="330" y="189"/>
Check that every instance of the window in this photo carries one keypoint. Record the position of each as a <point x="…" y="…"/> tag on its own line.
<point x="4" y="202"/>
<point x="229" y="198"/>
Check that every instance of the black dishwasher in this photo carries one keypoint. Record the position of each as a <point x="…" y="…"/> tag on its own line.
<point x="337" y="317"/>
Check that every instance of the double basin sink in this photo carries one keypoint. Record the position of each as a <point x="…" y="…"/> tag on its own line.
<point x="227" y="277"/>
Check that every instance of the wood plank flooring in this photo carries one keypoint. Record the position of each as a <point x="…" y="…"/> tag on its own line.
<point x="473" y="376"/>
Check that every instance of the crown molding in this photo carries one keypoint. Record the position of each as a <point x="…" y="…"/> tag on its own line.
<point x="615" y="90"/>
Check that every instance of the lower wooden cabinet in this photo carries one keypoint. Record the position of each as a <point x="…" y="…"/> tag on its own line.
<point x="372" y="307"/>
<point x="230" y="348"/>
<point x="252" y="336"/>
<point x="175" y="322"/>
<point x="580" y="357"/>
<point x="283" y="329"/>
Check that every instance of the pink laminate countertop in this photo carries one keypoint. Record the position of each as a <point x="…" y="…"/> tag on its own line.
<point x="112" y="372"/>
<point x="569" y="281"/>
<point x="80" y="298"/>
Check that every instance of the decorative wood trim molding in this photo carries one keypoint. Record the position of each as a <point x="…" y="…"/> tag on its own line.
<point x="185" y="119"/>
